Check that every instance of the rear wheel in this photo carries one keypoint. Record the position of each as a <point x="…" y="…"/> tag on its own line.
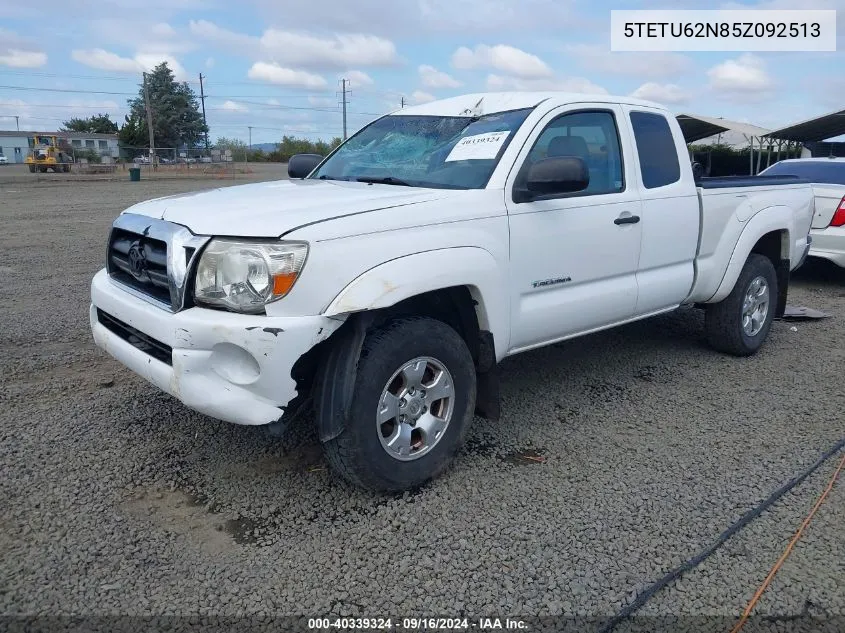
<point x="32" y="169"/>
<point x="412" y="401"/>
<point x="740" y="323"/>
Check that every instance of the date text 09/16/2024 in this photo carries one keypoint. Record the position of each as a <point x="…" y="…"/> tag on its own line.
<point x="415" y="624"/>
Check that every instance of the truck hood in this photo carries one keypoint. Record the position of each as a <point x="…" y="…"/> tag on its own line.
<point x="271" y="209"/>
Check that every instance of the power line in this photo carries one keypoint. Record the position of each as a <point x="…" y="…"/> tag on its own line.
<point x="65" y="76"/>
<point x="93" y="92"/>
<point x="63" y="105"/>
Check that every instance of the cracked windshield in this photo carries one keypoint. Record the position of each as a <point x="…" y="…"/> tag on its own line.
<point x="456" y="152"/>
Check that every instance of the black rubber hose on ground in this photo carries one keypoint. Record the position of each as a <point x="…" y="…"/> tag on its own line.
<point x="699" y="558"/>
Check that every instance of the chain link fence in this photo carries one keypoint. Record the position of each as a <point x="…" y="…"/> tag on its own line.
<point x="69" y="163"/>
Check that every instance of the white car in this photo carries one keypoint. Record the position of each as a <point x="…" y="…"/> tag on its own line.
<point x="385" y="282"/>
<point x="828" y="178"/>
<point x="3" y="160"/>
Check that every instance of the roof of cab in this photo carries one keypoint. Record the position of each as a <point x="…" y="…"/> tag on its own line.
<point x="481" y="103"/>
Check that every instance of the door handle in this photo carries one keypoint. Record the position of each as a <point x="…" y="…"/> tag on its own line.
<point x="627" y="219"/>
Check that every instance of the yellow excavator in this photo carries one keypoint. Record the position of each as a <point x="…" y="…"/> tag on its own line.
<point x="48" y="153"/>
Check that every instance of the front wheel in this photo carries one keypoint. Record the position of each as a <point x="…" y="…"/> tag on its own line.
<point x="740" y="323"/>
<point x="412" y="401"/>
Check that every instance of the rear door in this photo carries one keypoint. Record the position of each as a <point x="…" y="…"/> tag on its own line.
<point x="670" y="211"/>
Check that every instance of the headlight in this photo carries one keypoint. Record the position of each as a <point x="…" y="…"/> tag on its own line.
<point x="245" y="276"/>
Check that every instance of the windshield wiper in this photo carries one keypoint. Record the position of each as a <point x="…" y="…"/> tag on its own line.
<point x="383" y="180"/>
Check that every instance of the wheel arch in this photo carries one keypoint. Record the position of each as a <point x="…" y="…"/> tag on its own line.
<point x="461" y="288"/>
<point x="768" y="233"/>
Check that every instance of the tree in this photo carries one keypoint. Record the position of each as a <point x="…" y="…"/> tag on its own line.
<point x="177" y="120"/>
<point x="237" y="147"/>
<point x="97" y="124"/>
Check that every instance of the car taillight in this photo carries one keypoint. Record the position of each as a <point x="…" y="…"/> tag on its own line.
<point x="839" y="216"/>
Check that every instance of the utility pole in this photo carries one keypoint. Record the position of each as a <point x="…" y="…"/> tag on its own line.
<point x="343" y="83"/>
<point x="250" y="142"/>
<point x="202" y="100"/>
<point x="403" y="102"/>
<point x="149" y="122"/>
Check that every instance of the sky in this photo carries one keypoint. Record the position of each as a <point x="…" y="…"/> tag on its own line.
<point x="276" y="65"/>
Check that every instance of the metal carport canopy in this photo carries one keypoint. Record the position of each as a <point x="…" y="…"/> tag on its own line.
<point x="820" y="128"/>
<point x="696" y="127"/>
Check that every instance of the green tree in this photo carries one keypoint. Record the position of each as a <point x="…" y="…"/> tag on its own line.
<point x="97" y="124"/>
<point x="291" y="145"/>
<point x="177" y="120"/>
<point x="236" y="145"/>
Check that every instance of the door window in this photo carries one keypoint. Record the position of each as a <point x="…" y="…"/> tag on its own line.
<point x="591" y="136"/>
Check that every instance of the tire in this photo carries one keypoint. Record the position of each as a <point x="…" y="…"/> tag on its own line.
<point x="32" y="169"/>
<point x="725" y="322"/>
<point x="359" y="454"/>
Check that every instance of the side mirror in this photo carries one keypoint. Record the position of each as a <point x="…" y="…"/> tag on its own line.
<point x="561" y="174"/>
<point x="300" y="165"/>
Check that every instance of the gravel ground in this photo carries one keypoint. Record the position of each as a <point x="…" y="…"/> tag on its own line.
<point x="646" y="445"/>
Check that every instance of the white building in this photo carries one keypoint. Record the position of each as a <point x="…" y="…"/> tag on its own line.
<point x="16" y="145"/>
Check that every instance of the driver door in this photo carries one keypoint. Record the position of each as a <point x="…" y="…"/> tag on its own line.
<point x="574" y="256"/>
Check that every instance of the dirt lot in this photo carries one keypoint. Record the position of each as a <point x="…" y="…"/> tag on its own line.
<point x="646" y="445"/>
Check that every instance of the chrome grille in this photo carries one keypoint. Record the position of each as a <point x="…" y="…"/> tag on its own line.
<point x="140" y="262"/>
<point x="153" y="258"/>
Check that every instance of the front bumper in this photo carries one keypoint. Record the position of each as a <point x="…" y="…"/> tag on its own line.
<point x="829" y="243"/>
<point x="232" y="367"/>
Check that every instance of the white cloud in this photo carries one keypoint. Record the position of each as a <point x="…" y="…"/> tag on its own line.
<point x="233" y="106"/>
<point x="106" y="60"/>
<point x="275" y="74"/>
<point x="302" y="50"/>
<point x="746" y="74"/>
<point x="562" y="84"/>
<point x="148" y="61"/>
<point x="141" y="35"/>
<point x="223" y="37"/>
<point x="209" y="63"/>
<point x="415" y="17"/>
<point x="357" y="78"/>
<point x="662" y="93"/>
<point x="644" y="65"/>
<point x="22" y="59"/>
<point x="501" y="57"/>
<point x="163" y="29"/>
<point x="19" y="52"/>
<point x="422" y="97"/>
<point x="337" y="51"/>
<point x="433" y="78"/>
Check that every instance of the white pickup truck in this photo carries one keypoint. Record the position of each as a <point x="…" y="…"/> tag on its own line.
<point x="384" y="283"/>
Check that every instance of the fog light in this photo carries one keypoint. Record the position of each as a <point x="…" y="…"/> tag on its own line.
<point x="234" y="364"/>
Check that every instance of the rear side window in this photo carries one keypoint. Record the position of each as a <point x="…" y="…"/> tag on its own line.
<point x="656" y="149"/>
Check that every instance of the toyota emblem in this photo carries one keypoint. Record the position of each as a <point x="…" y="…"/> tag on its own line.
<point x="137" y="261"/>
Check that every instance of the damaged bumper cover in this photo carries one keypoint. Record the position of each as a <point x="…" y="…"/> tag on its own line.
<point x="233" y="367"/>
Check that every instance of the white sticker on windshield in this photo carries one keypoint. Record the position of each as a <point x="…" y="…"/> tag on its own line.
<point x="478" y="147"/>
